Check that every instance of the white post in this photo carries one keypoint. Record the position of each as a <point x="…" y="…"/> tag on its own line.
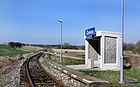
<point x="122" y="62"/>
<point x="61" y="41"/>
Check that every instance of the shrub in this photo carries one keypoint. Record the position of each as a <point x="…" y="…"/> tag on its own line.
<point x="137" y="48"/>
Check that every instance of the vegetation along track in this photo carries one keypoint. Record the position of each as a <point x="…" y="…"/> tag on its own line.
<point x="32" y="74"/>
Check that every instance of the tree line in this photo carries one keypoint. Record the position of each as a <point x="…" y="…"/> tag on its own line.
<point x="16" y="44"/>
<point x="135" y="48"/>
<point x="68" y="46"/>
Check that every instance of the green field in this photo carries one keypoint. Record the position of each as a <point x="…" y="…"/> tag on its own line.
<point x="7" y="50"/>
<point x="114" y="76"/>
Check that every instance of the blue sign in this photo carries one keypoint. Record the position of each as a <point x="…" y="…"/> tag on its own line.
<point x="89" y="37"/>
<point x="90" y="32"/>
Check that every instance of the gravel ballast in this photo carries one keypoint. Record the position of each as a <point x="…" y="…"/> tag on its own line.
<point x="12" y="79"/>
<point x="64" y="78"/>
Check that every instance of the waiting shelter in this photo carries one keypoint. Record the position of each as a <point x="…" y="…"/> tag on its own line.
<point x="103" y="49"/>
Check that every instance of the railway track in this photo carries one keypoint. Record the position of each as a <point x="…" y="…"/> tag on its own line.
<point x="32" y="74"/>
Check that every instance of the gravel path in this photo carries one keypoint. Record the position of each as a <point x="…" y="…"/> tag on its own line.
<point x="12" y="79"/>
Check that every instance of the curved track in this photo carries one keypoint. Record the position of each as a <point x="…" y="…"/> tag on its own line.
<point x="32" y="74"/>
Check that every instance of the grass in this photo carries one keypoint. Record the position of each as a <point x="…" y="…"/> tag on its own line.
<point x="71" y="63"/>
<point x="132" y="74"/>
<point x="71" y="52"/>
<point x="7" y="50"/>
<point x="65" y="60"/>
<point x="28" y="50"/>
<point x="114" y="76"/>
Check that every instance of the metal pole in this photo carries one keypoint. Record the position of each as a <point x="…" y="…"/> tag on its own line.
<point x="61" y="21"/>
<point x="122" y="61"/>
<point x="61" y="45"/>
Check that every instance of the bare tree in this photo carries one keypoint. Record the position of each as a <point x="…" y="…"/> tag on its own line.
<point x="138" y="47"/>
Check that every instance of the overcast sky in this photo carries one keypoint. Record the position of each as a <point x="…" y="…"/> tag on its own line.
<point x="36" y="21"/>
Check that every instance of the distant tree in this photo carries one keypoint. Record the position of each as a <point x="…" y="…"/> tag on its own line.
<point x="16" y="44"/>
<point x="66" y="44"/>
<point x="137" y="49"/>
<point x="128" y="46"/>
<point x="12" y="44"/>
<point x="82" y="47"/>
<point x="59" y="46"/>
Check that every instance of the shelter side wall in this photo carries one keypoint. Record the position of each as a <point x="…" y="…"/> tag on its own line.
<point x="110" y="49"/>
<point x="119" y="51"/>
<point x="92" y="53"/>
<point x="102" y="51"/>
<point x="113" y="65"/>
<point x="86" y="51"/>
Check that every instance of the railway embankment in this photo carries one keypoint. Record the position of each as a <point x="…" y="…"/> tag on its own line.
<point x="10" y="70"/>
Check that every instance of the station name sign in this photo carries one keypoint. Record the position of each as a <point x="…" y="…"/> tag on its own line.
<point x="90" y="32"/>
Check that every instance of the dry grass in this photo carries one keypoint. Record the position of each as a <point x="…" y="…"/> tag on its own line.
<point x="32" y="48"/>
<point x="9" y="60"/>
<point x="69" y="51"/>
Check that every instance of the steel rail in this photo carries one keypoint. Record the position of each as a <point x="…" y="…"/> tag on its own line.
<point x="29" y="76"/>
<point x="47" y="73"/>
<point x="27" y="71"/>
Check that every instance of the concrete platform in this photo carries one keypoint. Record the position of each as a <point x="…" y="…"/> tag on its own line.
<point x="88" y="80"/>
<point x="82" y="67"/>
